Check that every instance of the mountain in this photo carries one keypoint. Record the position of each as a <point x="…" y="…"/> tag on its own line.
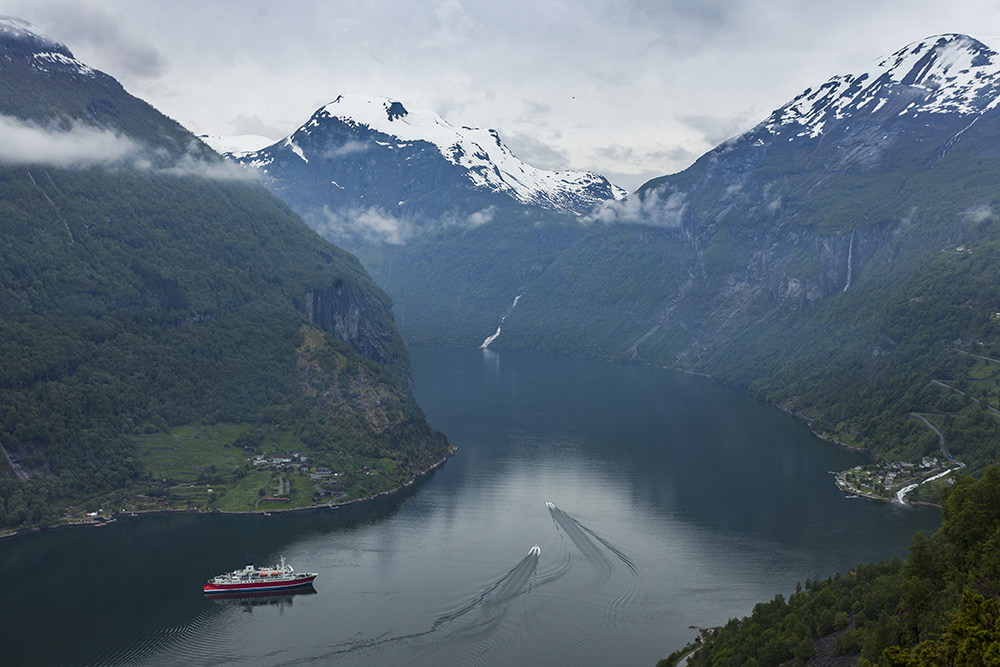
<point x="835" y="259"/>
<point x="165" y="315"/>
<point x="801" y="203"/>
<point x="360" y="162"/>
<point x="443" y="217"/>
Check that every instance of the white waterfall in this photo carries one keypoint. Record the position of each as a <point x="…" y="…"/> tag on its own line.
<point x="850" y="256"/>
<point x="486" y="343"/>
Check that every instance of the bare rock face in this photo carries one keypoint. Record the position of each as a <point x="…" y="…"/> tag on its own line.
<point x="364" y="324"/>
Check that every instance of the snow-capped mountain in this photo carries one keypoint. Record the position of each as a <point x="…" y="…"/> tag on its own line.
<point x="373" y="151"/>
<point x="43" y="53"/>
<point x="903" y="112"/>
<point x="867" y="169"/>
<point x="944" y="74"/>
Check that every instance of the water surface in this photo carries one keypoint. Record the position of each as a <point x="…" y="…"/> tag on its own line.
<point x="658" y="501"/>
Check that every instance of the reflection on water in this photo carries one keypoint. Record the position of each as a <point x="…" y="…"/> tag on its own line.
<point x="672" y="502"/>
<point x="247" y="601"/>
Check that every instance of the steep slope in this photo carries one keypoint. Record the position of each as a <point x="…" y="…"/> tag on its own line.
<point x="445" y="218"/>
<point x="147" y="285"/>
<point x="362" y="153"/>
<point x="834" y="258"/>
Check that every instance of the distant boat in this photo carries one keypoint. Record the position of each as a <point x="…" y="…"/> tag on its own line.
<point x="251" y="580"/>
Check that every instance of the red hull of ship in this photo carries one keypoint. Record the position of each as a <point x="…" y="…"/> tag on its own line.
<point x="251" y="587"/>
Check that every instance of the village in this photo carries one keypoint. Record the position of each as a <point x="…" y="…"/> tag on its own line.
<point x="328" y="485"/>
<point x="892" y="481"/>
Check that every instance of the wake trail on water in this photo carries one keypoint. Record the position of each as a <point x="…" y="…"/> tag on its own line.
<point x="583" y="541"/>
<point x="194" y="640"/>
<point x="590" y="545"/>
<point x="480" y="617"/>
<point x="511" y="585"/>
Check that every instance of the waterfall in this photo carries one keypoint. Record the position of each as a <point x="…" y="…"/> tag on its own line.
<point x="850" y="256"/>
<point x="486" y="343"/>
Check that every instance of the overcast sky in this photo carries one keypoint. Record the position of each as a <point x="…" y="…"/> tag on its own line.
<point x="632" y="90"/>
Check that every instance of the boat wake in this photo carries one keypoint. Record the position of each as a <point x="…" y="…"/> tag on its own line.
<point x="514" y="583"/>
<point x="472" y="626"/>
<point x="589" y="543"/>
<point x="596" y="550"/>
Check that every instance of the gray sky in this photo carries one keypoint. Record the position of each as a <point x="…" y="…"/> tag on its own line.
<point x="630" y="89"/>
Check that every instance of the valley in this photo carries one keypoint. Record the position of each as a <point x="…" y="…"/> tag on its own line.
<point x="190" y="334"/>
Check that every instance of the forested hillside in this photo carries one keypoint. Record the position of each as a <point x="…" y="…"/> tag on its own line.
<point x="837" y="259"/>
<point x="146" y="285"/>
<point x="937" y="607"/>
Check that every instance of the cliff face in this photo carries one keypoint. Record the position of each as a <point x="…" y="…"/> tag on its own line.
<point x="360" y="321"/>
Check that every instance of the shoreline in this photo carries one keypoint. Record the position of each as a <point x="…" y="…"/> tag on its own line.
<point x="873" y="455"/>
<point x="113" y="516"/>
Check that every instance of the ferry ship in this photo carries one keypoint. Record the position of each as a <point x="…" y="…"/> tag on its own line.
<point x="262" y="579"/>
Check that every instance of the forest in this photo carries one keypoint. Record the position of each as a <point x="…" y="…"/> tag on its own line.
<point x="939" y="606"/>
<point x="136" y="302"/>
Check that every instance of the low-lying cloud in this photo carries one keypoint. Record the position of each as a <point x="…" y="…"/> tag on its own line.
<point x="366" y="224"/>
<point x="345" y="149"/>
<point x="978" y="213"/>
<point x="80" y="145"/>
<point x="481" y="217"/>
<point x="356" y="226"/>
<point x="651" y="208"/>
<point x="218" y="170"/>
<point x="23" y="142"/>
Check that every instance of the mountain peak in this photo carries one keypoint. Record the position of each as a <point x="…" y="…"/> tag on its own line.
<point x="395" y="110"/>
<point x="939" y="60"/>
<point x="22" y="39"/>
<point x="949" y="73"/>
<point x="381" y="128"/>
<point x="375" y="112"/>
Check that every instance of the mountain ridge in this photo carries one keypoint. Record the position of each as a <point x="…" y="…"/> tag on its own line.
<point x="372" y="152"/>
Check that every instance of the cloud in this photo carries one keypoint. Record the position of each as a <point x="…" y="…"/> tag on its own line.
<point x="649" y="209"/>
<point x="717" y="129"/>
<point x="630" y="167"/>
<point x="535" y="151"/>
<point x="78" y="145"/>
<point x="217" y="170"/>
<point x="369" y="225"/>
<point x="481" y="217"/>
<point x="977" y="214"/>
<point x="352" y="227"/>
<point x="347" y="148"/>
<point x="91" y="28"/>
<point x="252" y="124"/>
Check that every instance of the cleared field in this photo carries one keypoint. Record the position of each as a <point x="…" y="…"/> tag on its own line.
<point x="186" y="452"/>
<point x="245" y="492"/>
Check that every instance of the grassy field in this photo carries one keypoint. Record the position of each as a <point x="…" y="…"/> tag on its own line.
<point x="208" y="467"/>
<point x="245" y="492"/>
<point x="184" y="453"/>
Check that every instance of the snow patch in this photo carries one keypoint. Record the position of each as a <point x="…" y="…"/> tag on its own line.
<point x="486" y="160"/>
<point x="236" y="144"/>
<point x="951" y="74"/>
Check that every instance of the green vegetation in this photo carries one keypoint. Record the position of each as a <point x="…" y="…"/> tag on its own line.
<point x="746" y="281"/>
<point x="938" y="607"/>
<point x="156" y="323"/>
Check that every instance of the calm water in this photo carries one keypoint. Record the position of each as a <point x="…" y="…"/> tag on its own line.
<point x="675" y="502"/>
